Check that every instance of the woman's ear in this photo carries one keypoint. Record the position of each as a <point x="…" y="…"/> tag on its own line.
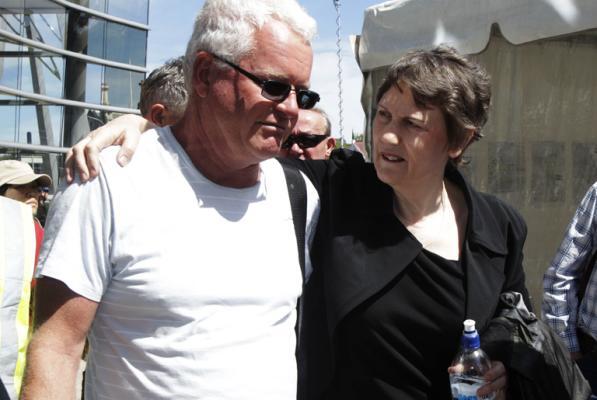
<point x="458" y="149"/>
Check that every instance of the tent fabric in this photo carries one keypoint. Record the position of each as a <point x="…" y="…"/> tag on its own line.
<point x="392" y="28"/>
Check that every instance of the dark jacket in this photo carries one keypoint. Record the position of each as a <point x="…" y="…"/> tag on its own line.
<point x="361" y="246"/>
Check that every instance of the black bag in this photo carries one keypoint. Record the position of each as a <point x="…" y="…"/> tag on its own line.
<point x="538" y="364"/>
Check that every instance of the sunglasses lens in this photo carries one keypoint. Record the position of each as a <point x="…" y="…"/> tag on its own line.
<point x="307" y="99"/>
<point x="304" y="141"/>
<point x="274" y="90"/>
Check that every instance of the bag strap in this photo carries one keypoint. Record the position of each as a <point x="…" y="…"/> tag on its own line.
<point x="297" y="192"/>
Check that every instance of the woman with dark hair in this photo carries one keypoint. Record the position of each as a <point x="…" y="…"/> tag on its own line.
<point x="406" y="249"/>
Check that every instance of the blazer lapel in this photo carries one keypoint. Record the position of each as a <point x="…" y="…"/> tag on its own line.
<point x="379" y="249"/>
<point x="484" y="254"/>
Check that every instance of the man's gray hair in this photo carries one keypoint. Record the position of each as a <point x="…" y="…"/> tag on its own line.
<point x="227" y="27"/>
<point x="165" y="85"/>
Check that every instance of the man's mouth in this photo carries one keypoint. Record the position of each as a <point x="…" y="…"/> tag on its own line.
<point x="273" y="125"/>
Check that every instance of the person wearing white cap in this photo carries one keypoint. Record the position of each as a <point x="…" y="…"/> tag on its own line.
<point x="20" y="183"/>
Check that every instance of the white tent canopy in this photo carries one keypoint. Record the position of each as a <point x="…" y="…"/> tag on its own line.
<point x="393" y="27"/>
<point x="539" y="152"/>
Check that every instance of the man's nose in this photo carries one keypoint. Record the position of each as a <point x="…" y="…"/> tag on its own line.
<point x="289" y="106"/>
<point x="295" y="150"/>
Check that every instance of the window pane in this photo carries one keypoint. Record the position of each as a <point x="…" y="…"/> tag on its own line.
<point x="133" y="10"/>
<point x="122" y="87"/>
<point x="116" y="42"/>
<point x="125" y="44"/>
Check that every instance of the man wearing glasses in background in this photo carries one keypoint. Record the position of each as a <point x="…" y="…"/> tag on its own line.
<point x="311" y="138"/>
<point x="192" y="295"/>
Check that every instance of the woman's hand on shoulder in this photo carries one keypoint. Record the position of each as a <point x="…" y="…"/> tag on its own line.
<point x="83" y="157"/>
<point x="497" y="381"/>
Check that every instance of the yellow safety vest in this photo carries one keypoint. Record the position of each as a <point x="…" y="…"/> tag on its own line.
<point x="17" y="258"/>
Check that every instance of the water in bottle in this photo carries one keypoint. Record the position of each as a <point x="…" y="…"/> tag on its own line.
<point x="469" y="366"/>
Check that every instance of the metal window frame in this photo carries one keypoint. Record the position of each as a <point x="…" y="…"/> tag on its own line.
<point x="102" y="15"/>
<point x="68" y="53"/>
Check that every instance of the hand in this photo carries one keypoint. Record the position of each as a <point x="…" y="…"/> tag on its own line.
<point x="84" y="156"/>
<point x="497" y="381"/>
<point x="575" y="355"/>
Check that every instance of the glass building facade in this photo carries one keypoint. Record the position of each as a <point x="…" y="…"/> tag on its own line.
<point x="66" y="67"/>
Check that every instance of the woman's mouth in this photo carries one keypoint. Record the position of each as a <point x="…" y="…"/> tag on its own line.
<point x="391" y="157"/>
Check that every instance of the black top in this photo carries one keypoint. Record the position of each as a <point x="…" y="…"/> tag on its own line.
<point x="372" y="308"/>
<point x="399" y="343"/>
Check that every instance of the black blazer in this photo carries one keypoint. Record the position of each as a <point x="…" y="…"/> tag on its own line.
<point x="360" y="247"/>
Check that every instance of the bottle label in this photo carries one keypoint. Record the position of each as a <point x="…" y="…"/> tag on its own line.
<point x="465" y="388"/>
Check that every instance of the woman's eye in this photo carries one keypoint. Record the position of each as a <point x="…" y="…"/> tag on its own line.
<point x="383" y="114"/>
<point x="412" y="124"/>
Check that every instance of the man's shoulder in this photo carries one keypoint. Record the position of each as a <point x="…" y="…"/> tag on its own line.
<point x="148" y="141"/>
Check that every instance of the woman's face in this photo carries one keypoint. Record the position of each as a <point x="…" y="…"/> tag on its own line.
<point x="410" y="142"/>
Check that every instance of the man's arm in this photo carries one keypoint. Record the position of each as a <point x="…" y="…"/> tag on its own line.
<point x="84" y="156"/>
<point x="62" y="319"/>
<point x="561" y="280"/>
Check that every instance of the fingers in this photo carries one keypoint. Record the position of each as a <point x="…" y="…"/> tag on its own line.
<point x="68" y="167"/>
<point x="128" y="147"/>
<point x="75" y="161"/>
<point x="496" y="378"/>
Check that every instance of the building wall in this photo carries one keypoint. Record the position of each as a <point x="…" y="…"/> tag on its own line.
<point x="110" y="34"/>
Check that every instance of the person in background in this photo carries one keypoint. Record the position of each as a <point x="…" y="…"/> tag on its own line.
<point x="405" y="248"/>
<point x="20" y="183"/>
<point x="311" y="138"/>
<point x="44" y="205"/>
<point x="570" y="288"/>
<point x="198" y="301"/>
<point x="17" y="258"/>
<point x="164" y="96"/>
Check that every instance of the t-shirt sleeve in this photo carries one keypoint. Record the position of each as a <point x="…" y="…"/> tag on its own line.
<point x="76" y="247"/>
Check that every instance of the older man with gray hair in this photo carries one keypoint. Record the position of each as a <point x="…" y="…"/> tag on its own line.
<point x="192" y="295"/>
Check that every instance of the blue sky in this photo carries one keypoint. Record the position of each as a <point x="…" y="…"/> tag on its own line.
<point x="171" y="23"/>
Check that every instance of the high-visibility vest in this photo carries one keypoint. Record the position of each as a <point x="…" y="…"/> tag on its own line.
<point x="17" y="257"/>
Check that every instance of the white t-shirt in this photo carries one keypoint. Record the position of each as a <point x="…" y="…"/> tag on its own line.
<point x="197" y="283"/>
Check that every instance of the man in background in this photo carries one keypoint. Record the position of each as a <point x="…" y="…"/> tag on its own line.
<point x="311" y="138"/>
<point x="570" y="288"/>
<point x="17" y="257"/>
<point x="164" y="96"/>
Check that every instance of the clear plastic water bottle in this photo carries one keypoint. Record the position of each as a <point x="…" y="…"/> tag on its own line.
<point x="469" y="366"/>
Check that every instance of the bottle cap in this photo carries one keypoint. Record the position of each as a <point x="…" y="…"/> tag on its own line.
<point x="469" y="325"/>
<point x="470" y="337"/>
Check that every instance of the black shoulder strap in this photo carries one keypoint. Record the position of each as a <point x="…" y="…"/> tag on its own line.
<point x="297" y="191"/>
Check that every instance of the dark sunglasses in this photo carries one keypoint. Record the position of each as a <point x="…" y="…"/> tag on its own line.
<point x="304" y="141"/>
<point x="276" y="90"/>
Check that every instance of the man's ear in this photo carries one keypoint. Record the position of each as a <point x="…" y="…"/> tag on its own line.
<point x="156" y="114"/>
<point x="330" y="144"/>
<point x="200" y="76"/>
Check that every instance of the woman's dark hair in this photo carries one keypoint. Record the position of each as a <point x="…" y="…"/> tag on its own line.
<point x="3" y="190"/>
<point x="443" y="78"/>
